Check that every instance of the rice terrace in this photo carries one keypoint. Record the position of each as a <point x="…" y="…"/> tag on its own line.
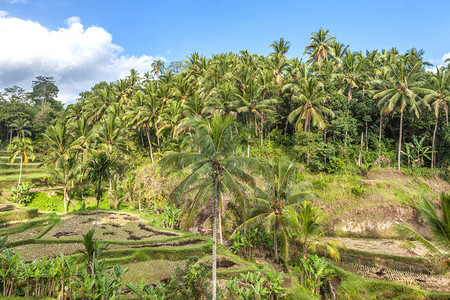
<point x="199" y="155"/>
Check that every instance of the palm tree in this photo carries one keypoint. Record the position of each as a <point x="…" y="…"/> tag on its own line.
<point x="65" y="174"/>
<point x="305" y="223"/>
<point x="157" y="66"/>
<point x="439" y="99"/>
<point x="60" y="144"/>
<point x="280" y="47"/>
<point x="404" y="87"/>
<point x="312" y="107"/>
<point x="280" y="193"/>
<point x="213" y="170"/>
<point x="439" y="225"/>
<point x="20" y="147"/>
<point x="320" y="44"/>
<point x="98" y="170"/>
<point x="21" y="125"/>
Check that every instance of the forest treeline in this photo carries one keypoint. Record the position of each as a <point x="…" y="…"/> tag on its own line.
<point x="336" y="107"/>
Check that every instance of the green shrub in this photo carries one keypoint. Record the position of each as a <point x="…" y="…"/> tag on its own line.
<point x="358" y="190"/>
<point x="21" y="194"/>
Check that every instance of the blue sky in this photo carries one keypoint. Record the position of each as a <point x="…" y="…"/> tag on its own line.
<point x="174" y="29"/>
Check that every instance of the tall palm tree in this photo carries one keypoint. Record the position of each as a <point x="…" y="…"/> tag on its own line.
<point x="312" y="107"/>
<point x="65" y="174"/>
<point x="404" y="86"/>
<point x="213" y="170"/>
<point x="158" y="66"/>
<point x="60" y="144"/>
<point x="320" y="44"/>
<point x="280" y="47"/>
<point x="439" y="98"/>
<point x="98" y="170"/>
<point x="280" y="193"/>
<point x="22" y="147"/>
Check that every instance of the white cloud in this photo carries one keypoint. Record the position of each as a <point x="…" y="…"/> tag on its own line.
<point x="438" y="62"/>
<point x="76" y="57"/>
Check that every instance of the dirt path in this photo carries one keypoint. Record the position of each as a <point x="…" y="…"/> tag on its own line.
<point x="383" y="246"/>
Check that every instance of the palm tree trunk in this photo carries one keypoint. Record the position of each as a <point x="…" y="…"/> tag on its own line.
<point x="65" y="197"/>
<point x="214" y="254"/>
<point x="150" y="143"/>
<point x="20" y="173"/>
<point x="400" y="141"/>
<point x="262" y="129"/>
<point x="379" y="136"/>
<point x="220" y="221"/>
<point x="367" y="139"/>
<point x="275" y="242"/>
<point x="360" y="150"/>
<point x="433" y="147"/>
<point x="95" y="226"/>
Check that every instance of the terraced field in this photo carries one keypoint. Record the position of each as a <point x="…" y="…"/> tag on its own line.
<point x="31" y="172"/>
<point x="148" y="251"/>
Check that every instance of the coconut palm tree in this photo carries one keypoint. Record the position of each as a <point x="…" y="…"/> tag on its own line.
<point x="22" y="147"/>
<point x="305" y="224"/>
<point x="439" y="225"/>
<point x="213" y="170"/>
<point x="320" y="44"/>
<point x="20" y="125"/>
<point x="158" y="66"/>
<point x="65" y="174"/>
<point x="439" y="98"/>
<point x="281" y="192"/>
<point x="280" y="47"/>
<point x="60" y="144"/>
<point x="98" y="170"/>
<point x="312" y="107"/>
<point x="405" y="85"/>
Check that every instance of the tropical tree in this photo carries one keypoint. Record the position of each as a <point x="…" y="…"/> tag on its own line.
<point x="305" y="224"/>
<point x="320" y="44"/>
<point x="281" y="192"/>
<point x="439" y="98"/>
<point x="312" y="107"/>
<point x="60" y="144"/>
<point x="438" y="223"/>
<point x="22" y="147"/>
<point x="66" y="174"/>
<point x="21" y="125"/>
<point x="403" y="92"/>
<point x="98" y="170"/>
<point x="214" y="171"/>
<point x="280" y="47"/>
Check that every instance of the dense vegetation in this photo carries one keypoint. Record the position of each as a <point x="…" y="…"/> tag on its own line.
<point x="223" y="125"/>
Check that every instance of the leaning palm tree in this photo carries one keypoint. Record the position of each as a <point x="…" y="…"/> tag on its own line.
<point x="20" y="147"/>
<point x="213" y="170"/>
<point x="280" y="192"/>
<point x="439" y="225"/>
<point x="403" y="92"/>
